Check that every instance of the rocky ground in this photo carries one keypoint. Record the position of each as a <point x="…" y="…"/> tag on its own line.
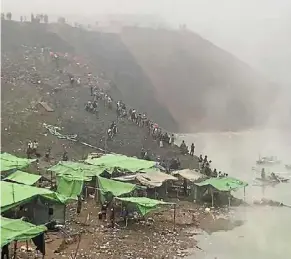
<point x="87" y="237"/>
<point x="28" y="77"/>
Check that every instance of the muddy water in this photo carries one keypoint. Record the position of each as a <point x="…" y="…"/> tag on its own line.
<point x="266" y="233"/>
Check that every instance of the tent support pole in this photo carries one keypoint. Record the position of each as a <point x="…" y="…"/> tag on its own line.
<point x="174" y="217"/>
<point x="212" y="198"/>
<point x="51" y="179"/>
<point x="15" y="249"/>
<point x="229" y="199"/>
<point x="65" y="215"/>
<point x="97" y="190"/>
<point x="244" y="193"/>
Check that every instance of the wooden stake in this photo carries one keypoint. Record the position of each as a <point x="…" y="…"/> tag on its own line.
<point x="15" y="249"/>
<point x="174" y="217"/>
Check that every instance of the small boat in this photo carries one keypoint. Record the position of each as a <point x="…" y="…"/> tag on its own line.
<point x="288" y="167"/>
<point x="268" y="160"/>
<point x="271" y="180"/>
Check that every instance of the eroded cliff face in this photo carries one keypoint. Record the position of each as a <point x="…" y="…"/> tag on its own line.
<point x="203" y="86"/>
<point x="180" y="80"/>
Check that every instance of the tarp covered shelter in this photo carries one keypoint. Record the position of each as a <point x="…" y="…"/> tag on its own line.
<point x="223" y="184"/>
<point x="143" y="204"/>
<point x="23" y="177"/>
<point x="13" y="195"/>
<point x="76" y="169"/>
<point x="111" y="161"/>
<point x="154" y="179"/>
<point x="71" y="186"/>
<point x="10" y="162"/>
<point x="110" y="188"/>
<point x="191" y="175"/>
<point x="149" y="179"/>
<point x="18" y="230"/>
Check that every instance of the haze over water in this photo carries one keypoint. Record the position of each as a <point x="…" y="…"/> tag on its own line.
<point x="266" y="232"/>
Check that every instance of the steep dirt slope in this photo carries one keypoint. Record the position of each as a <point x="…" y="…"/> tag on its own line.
<point x="204" y="87"/>
<point x="22" y="119"/>
<point x="109" y="54"/>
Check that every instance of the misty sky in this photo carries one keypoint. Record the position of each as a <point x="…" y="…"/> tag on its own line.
<point x="257" y="31"/>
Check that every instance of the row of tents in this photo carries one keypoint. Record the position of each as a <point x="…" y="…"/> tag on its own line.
<point x="130" y="181"/>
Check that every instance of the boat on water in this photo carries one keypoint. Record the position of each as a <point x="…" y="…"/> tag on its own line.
<point x="288" y="167"/>
<point x="268" y="160"/>
<point x="273" y="180"/>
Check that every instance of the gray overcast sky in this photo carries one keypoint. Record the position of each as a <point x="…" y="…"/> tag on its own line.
<point x="257" y="31"/>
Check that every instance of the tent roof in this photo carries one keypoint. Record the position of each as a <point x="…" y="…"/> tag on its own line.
<point x="154" y="179"/>
<point x="76" y="169"/>
<point x="116" y="188"/>
<point x="23" y="177"/>
<point x="16" y="229"/>
<point x="144" y="204"/>
<point x="9" y="162"/>
<point x="14" y="194"/>
<point x="223" y="184"/>
<point x="191" y="175"/>
<point x="131" y="164"/>
<point x="70" y="186"/>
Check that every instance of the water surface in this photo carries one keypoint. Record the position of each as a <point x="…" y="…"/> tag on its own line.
<point x="266" y="233"/>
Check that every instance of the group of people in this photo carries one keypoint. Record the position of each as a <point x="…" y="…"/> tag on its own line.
<point x="32" y="149"/>
<point x="205" y="167"/>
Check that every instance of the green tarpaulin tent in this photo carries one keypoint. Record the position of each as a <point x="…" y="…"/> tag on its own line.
<point x="144" y="204"/>
<point x="76" y="169"/>
<point x="23" y="177"/>
<point x="10" y="162"/>
<point x="16" y="229"/>
<point x="223" y="184"/>
<point x="111" y="161"/>
<point x="110" y="188"/>
<point x="70" y="186"/>
<point x="13" y="194"/>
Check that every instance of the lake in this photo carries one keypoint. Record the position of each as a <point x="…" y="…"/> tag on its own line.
<point x="266" y="233"/>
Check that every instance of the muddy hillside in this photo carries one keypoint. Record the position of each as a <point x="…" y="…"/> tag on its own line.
<point x="179" y="79"/>
<point x="39" y="95"/>
<point x="203" y="86"/>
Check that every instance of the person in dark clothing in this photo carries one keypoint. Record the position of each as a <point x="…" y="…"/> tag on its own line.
<point x="112" y="217"/>
<point x="185" y="186"/>
<point x="104" y="209"/>
<point x="200" y="159"/>
<point x="79" y="205"/>
<point x="39" y="243"/>
<point x="214" y="173"/>
<point x="65" y="156"/>
<point x="142" y="153"/>
<point x="192" y="149"/>
<point x="47" y="154"/>
<point x="205" y="159"/>
<point x="5" y="252"/>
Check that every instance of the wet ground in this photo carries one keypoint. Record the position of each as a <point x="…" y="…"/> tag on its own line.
<point x="265" y="233"/>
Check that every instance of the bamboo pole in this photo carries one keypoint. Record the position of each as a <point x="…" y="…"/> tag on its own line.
<point x="212" y="198"/>
<point x="15" y="249"/>
<point x="174" y="217"/>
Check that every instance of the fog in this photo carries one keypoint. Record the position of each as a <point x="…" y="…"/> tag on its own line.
<point x="256" y="31"/>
